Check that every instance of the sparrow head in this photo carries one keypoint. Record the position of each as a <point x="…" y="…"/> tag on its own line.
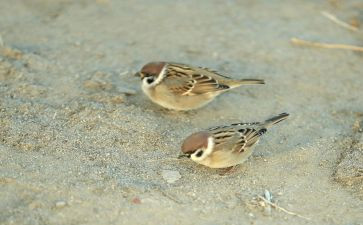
<point x="150" y="72"/>
<point x="197" y="146"/>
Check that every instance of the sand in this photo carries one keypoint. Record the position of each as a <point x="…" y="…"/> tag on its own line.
<point x="81" y="144"/>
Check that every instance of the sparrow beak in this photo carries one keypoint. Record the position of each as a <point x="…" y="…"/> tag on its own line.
<point x="183" y="156"/>
<point x="139" y="74"/>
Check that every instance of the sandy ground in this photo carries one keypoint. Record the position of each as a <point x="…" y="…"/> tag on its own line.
<point x="80" y="143"/>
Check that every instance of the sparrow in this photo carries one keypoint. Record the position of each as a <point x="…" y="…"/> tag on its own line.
<point x="181" y="87"/>
<point x="226" y="146"/>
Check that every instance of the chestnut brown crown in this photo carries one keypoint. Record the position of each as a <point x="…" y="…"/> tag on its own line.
<point x="152" y="69"/>
<point x="195" y="142"/>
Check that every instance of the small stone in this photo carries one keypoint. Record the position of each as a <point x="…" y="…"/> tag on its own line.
<point x="77" y="43"/>
<point x="11" y="53"/>
<point x="60" y="204"/>
<point x="355" y="22"/>
<point x="127" y="91"/>
<point x="97" y="85"/>
<point x="231" y="204"/>
<point x="123" y="73"/>
<point x="170" y="176"/>
<point x="136" y="200"/>
<point x="34" y="205"/>
<point x="117" y="100"/>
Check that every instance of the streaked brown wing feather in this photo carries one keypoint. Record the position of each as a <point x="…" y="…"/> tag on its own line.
<point x="212" y="73"/>
<point x="204" y="84"/>
<point x="178" y="80"/>
<point x="235" y="137"/>
<point x="225" y="138"/>
<point x="184" y="80"/>
<point x="249" y="137"/>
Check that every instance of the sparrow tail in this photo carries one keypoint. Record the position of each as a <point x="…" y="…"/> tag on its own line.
<point x="251" y="81"/>
<point x="237" y="83"/>
<point x="275" y="119"/>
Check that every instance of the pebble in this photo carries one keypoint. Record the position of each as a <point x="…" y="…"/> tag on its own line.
<point x="170" y="175"/>
<point x="60" y="204"/>
<point x="136" y="200"/>
<point x="117" y="100"/>
<point x="127" y="91"/>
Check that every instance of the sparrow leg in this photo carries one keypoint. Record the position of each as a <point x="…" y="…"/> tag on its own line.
<point x="228" y="170"/>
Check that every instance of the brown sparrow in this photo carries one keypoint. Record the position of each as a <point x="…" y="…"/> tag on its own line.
<point x="182" y="87"/>
<point x="226" y="146"/>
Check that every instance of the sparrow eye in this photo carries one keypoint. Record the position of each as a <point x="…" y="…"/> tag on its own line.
<point x="199" y="154"/>
<point x="149" y="80"/>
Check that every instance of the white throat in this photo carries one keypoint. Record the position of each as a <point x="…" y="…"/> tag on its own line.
<point x="210" y="146"/>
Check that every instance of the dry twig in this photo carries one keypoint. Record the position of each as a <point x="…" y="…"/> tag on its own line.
<point x="171" y="197"/>
<point x="339" y="22"/>
<point x="297" y="41"/>
<point x="282" y="209"/>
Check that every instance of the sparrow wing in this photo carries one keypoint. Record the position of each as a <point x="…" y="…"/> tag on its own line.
<point x="212" y="73"/>
<point x="185" y="80"/>
<point x="237" y="137"/>
<point x="224" y="137"/>
<point x="248" y="137"/>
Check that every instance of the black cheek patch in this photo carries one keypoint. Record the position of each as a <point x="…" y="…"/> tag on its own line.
<point x="149" y="80"/>
<point x="199" y="154"/>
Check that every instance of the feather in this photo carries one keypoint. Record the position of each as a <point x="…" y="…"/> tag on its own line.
<point x="187" y="81"/>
